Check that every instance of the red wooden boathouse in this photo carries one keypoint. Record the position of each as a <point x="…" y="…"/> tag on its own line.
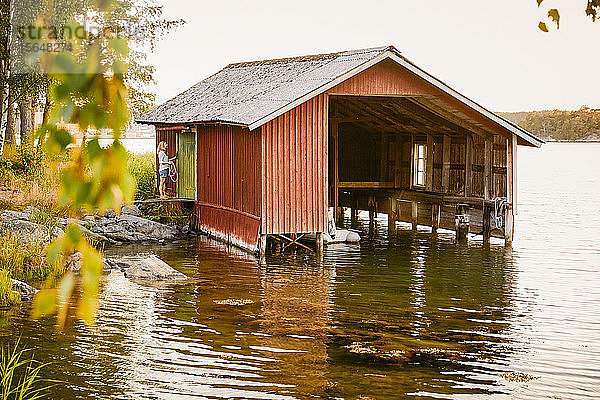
<point x="266" y="147"/>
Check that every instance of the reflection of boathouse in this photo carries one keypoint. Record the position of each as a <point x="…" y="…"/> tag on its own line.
<point x="264" y="148"/>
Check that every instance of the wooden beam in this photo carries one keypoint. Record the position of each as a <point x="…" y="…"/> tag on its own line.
<point x="488" y="175"/>
<point x="468" y="165"/>
<point x="336" y="181"/>
<point x="429" y="165"/>
<point x="366" y="185"/>
<point x="383" y="152"/>
<point x="430" y="105"/>
<point x="510" y="189"/>
<point x="446" y="164"/>
<point x="398" y="151"/>
<point x="424" y="114"/>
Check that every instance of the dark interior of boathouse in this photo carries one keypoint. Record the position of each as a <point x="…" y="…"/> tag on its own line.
<point x="401" y="157"/>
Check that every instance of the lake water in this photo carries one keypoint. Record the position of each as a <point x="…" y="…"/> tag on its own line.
<point x="407" y="316"/>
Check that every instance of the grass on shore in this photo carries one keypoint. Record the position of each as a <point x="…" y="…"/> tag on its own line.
<point x="28" y="177"/>
<point x="20" y="375"/>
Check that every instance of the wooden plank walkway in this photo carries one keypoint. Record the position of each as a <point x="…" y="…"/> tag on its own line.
<point x="157" y="200"/>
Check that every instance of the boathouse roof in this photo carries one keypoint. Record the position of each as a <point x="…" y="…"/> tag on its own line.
<point x="250" y="94"/>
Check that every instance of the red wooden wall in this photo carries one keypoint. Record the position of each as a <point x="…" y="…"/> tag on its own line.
<point x="229" y="183"/>
<point x="384" y="78"/>
<point x="294" y="164"/>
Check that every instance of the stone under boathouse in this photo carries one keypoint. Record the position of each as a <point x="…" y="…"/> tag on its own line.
<point x="265" y="148"/>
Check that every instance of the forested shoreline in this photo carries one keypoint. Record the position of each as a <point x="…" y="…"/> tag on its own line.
<point x="582" y="125"/>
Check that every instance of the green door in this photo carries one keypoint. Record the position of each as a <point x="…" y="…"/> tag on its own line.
<point x="186" y="165"/>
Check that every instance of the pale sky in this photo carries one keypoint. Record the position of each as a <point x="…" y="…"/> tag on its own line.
<point x="490" y="51"/>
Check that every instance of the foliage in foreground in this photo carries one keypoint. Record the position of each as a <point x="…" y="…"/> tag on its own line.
<point x="143" y="169"/>
<point x="20" y="375"/>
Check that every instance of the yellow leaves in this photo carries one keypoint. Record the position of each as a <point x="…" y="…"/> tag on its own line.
<point x="44" y="303"/>
<point x="86" y="285"/>
<point x="89" y="91"/>
<point x="555" y="16"/>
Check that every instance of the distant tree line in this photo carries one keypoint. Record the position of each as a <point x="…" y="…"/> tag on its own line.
<point x="580" y="125"/>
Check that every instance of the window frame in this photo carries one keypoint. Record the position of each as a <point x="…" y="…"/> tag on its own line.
<point x="415" y="164"/>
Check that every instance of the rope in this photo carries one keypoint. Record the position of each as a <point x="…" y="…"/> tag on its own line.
<point x="173" y="174"/>
<point x="499" y="210"/>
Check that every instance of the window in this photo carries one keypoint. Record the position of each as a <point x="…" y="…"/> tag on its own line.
<point x="420" y="157"/>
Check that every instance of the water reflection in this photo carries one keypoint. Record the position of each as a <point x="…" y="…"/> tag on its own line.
<point x="406" y="316"/>
<point x="422" y="316"/>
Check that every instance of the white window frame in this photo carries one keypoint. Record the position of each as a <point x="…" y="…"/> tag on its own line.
<point x="419" y="167"/>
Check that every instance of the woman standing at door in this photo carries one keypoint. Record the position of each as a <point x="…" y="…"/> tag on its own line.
<point x="163" y="168"/>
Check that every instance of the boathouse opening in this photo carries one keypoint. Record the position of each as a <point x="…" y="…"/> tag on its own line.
<point x="398" y="155"/>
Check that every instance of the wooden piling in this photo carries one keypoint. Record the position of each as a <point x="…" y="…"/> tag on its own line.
<point x="487" y="225"/>
<point x="461" y="222"/>
<point x="508" y="226"/>
<point x="392" y="216"/>
<point x="262" y="245"/>
<point x="320" y="243"/>
<point x="353" y="216"/>
<point x="415" y="215"/>
<point x="435" y="217"/>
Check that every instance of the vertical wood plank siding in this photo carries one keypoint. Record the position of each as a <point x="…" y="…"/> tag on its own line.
<point x="294" y="163"/>
<point x="384" y="78"/>
<point x="229" y="183"/>
<point x="169" y="135"/>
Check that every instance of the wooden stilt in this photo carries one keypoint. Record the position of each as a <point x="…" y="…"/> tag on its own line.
<point x="392" y="217"/>
<point x="461" y="223"/>
<point x="262" y="245"/>
<point x="353" y="217"/>
<point x="487" y="223"/>
<point x="320" y="243"/>
<point x="435" y="217"/>
<point x="508" y="226"/>
<point x="415" y="215"/>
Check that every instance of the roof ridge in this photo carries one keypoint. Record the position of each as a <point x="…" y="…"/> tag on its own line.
<point x="310" y="57"/>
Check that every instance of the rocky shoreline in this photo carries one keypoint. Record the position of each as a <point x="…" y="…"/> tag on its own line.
<point x="109" y="229"/>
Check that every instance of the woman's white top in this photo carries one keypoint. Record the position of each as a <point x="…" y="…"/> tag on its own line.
<point x="163" y="161"/>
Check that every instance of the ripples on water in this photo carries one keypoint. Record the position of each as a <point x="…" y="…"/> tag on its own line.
<point x="403" y="316"/>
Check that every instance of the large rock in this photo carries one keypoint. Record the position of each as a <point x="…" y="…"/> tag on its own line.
<point x="130" y="228"/>
<point x="74" y="263"/>
<point x="132" y="210"/>
<point x="19" y="224"/>
<point x="24" y="290"/>
<point x="82" y="225"/>
<point x="149" y="268"/>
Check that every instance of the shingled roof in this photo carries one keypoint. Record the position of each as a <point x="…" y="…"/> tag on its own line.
<point x="251" y="93"/>
<point x="243" y="93"/>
